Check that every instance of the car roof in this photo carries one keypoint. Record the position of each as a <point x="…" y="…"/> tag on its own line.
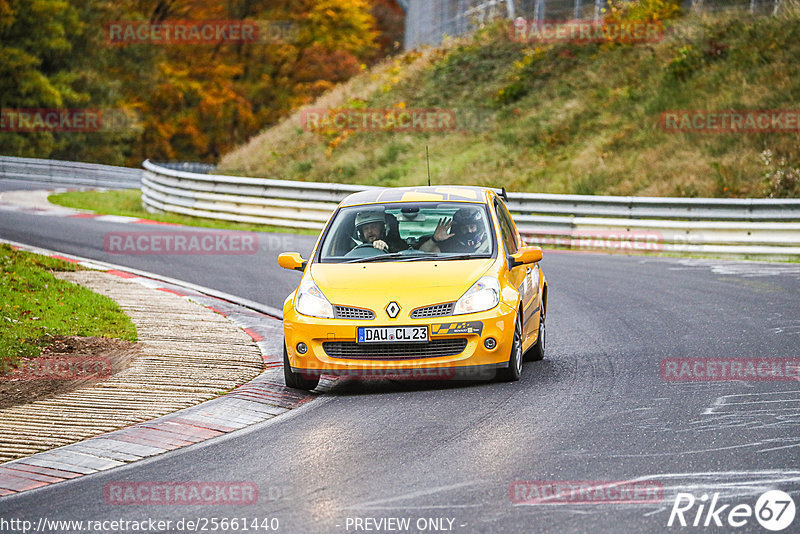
<point x="450" y="193"/>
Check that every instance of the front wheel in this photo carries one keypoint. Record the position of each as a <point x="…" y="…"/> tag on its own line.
<point x="296" y="380"/>
<point x="514" y="369"/>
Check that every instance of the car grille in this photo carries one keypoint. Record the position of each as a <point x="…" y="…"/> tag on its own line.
<point x="437" y="310"/>
<point x="346" y="312"/>
<point x="394" y="351"/>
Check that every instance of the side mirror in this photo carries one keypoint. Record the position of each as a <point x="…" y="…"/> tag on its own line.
<point x="292" y="261"/>
<point x="524" y="256"/>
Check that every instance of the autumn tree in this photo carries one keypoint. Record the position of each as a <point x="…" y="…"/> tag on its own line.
<point x="34" y="44"/>
<point x="184" y="101"/>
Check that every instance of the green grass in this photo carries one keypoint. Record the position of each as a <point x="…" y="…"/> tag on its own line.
<point x="129" y="203"/>
<point x="565" y="118"/>
<point x="35" y="306"/>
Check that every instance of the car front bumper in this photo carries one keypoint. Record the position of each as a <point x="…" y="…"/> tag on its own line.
<point x="321" y="336"/>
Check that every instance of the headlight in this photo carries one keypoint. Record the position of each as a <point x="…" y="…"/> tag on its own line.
<point x="483" y="295"/>
<point x="311" y="301"/>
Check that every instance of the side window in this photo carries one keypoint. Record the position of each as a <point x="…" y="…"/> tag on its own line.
<point x="510" y="237"/>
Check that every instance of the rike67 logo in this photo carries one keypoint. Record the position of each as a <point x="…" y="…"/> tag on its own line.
<point x="774" y="510"/>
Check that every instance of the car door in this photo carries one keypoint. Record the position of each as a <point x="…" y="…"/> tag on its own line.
<point x="521" y="275"/>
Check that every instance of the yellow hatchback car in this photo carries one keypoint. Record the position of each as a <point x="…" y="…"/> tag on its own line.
<point x="421" y="282"/>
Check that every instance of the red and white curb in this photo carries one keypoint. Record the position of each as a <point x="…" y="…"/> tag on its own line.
<point x="36" y="204"/>
<point x="261" y="399"/>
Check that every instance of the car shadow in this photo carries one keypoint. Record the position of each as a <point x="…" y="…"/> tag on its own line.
<point x="533" y="373"/>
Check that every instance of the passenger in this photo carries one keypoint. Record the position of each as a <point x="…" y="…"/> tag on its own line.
<point x="468" y="233"/>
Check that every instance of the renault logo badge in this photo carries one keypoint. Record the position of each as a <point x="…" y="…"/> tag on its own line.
<point x="392" y="309"/>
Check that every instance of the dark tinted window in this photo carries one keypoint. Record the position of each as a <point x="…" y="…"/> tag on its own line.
<point x="510" y="236"/>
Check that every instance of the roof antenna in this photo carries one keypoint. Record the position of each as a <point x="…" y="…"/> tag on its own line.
<point x="428" y="156"/>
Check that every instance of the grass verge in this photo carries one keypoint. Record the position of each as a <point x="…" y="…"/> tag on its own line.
<point x="128" y="203"/>
<point x="564" y="117"/>
<point x="35" y="306"/>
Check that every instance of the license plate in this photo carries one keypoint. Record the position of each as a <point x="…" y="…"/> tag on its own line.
<point x="392" y="334"/>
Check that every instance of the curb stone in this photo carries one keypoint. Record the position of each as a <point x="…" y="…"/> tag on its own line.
<point x="35" y="202"/>
<point x="256" y="401"/>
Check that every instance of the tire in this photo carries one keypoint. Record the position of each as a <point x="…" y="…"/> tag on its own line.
<point x="536" y="352"/>
<point x="514" y="369"/>
<point x="296" y="380"/>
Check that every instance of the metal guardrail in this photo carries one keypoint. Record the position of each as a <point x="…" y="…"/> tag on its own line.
<point x="69" y="173"/>
<point x="280" y="203"/>
<point x="763" y="228"/>
<point x="710" y="209"/>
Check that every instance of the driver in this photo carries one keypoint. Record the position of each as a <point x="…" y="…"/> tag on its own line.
<point x="468" y="233"/>
<point x="371" y="228"/>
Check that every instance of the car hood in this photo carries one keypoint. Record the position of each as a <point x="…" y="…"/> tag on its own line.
<point x="415" y="283"/>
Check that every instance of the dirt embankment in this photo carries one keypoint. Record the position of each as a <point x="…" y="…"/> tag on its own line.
<point x="68" y="364"/>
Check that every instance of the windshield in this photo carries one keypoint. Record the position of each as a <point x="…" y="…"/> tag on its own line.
<point x="422" y="231"/>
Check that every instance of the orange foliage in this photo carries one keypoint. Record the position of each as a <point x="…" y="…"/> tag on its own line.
<point x="199" y="101"/>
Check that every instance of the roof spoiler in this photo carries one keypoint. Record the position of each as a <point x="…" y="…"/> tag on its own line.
<point x="501" y="192"/>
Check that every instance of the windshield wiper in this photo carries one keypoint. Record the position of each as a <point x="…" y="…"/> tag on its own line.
<point x="417" y="257"/>
<point x="462" y="257"/>
<point x="400" y="256"/>
<point x="376" y="258"/>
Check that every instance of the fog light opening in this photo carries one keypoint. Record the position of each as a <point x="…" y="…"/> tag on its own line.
<point x="302" y="348"/>
<point x="490" y="343"/>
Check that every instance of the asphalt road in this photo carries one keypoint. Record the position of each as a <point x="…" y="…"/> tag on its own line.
<point x="254" y="276"/>
<point x="596" y="409"/>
